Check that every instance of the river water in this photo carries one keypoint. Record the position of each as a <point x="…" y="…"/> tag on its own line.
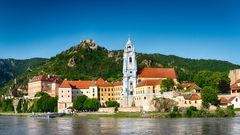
<point x="118" y="126"/>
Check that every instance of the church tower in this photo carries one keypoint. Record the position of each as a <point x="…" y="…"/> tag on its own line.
<point x="129" y="69"/>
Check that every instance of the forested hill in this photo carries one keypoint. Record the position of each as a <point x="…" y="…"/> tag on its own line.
<point x="10" y="68"/>
<point x="88" y="60"/>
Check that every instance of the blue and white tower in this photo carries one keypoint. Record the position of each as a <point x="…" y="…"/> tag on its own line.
<point x="129" y="69"/>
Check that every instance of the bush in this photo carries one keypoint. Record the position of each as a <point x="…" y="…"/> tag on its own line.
<point x="190" y="110"/>
<point x="203" y="113"/>
<point x="230" y="112"/>
<point x="175" y="113"/>
<point x="219" y="112"/>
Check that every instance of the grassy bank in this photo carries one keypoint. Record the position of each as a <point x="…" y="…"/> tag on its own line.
<point x="15" y="114"/>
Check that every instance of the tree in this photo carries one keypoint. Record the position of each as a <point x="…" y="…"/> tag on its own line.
<point x="91" y="104"/>
<point x="25" y="106"/>
<point x="19" y="106"/>
<point x="209" y="96"/>
<point x="7" y="105"/>
<point x="167" y="85"/>
<point x="216" y="80"/>
<point x="79" y="102"/>
<point x="112" y="103"/>
<point x="46" y="103"/>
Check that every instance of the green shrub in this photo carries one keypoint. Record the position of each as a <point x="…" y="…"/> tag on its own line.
<point x="230" y="112"/>
<point x="190" y="110"/>
<point x="175" y="113"/>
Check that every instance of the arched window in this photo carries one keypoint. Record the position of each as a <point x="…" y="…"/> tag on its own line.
<point x="130" y="60"/>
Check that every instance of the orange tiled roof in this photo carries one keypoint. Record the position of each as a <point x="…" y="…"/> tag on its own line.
<point x="46" y="78"/>
<point x="235" y="86"/>
<point x="102" y="83"/>
<point x="120" y="83"/>
<point x="223" y="101"/>
<point x="158" y="73"/>
<point x="193" y="96"/>
<point x="77" y="84"/>
<point x="149" y="83"/>
<point x="190" y="85"/>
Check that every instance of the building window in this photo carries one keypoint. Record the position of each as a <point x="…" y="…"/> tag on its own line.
<point x="62" y="91"/>
<point x="112" y="94"/>
<point x="93" y="89"/>
<point x="195" y="101"/>
<point x="189" y="102"/>
<point x="68" y="96"/>
<point x="145" y="98"/>
<point x="153" y="91"/>
<point x="185" y="102"/>
<point x="102" y="94"/>
<point x="108" y="94"/>
<point x="102" y="98"/>
<point x="93" y="94"/>
<point x="236" y="100"/>
<point x="62" y="96"/>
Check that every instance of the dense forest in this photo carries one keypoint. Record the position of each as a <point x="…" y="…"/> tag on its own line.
<point x="88" y="60"/>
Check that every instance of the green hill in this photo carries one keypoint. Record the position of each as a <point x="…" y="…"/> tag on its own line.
<point x="10" y="68"/>
<point x="88" y="60"/>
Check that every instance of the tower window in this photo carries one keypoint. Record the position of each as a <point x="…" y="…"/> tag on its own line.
<point x="130" y="60"/>
<point x="129" y="47"/>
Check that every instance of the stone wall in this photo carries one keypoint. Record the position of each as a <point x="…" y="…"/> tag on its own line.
<point x="107" y="110"/>
<point x="130" y="109"/>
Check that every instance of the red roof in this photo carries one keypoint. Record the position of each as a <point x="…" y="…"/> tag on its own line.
<point x="158" y="73"/>
<point x="102" y="83"/>
<point x="118" y="83"/>
<point x="77" y="84"/>
<point x="48" y="78"/>
<point x="235" y="86"/>
<point x="193" y="96"/>
<point x="149" y="83"/>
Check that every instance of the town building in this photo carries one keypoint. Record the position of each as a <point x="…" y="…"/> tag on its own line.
<point x="70" y="90"/>
<point x="235" y="88"/>
<point x="187" y="100"/>
<point x="44" y="83"/>
<point x="191" y="87"/>
<point x="234" y="75"/>
<point x="227" y="101"/>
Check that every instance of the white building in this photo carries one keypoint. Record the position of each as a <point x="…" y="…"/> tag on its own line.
<point x="70" y="90"/>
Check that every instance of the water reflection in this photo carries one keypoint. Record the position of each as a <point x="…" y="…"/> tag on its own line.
<point x="107" y="126"/>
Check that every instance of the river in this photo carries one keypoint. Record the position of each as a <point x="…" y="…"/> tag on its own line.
<point x="118" y="126"/>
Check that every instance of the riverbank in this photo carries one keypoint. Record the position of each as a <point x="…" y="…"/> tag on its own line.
<point x="110" y="115"/>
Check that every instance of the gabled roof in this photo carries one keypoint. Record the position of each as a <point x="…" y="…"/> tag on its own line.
<point x="77" y="84"/>
<point x="149" y="83"/>
<point x="158" y="73"/>
<point x="235" y="86"/>
<point x="193" y="96"/>
<point x="48" y="78"/>
<point x="223" y="101"/>
<point x="190" y="85"/>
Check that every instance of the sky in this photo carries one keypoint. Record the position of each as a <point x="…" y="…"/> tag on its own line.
<point x="197" y="29"/>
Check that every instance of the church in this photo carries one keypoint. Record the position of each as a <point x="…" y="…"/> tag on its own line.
<point x="136" y="90"/>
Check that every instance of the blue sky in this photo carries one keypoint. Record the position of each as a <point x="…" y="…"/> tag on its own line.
<point x="208" y="29"/>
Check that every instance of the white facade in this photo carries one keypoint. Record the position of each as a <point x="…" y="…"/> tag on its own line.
<point x="129" y="69"/>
